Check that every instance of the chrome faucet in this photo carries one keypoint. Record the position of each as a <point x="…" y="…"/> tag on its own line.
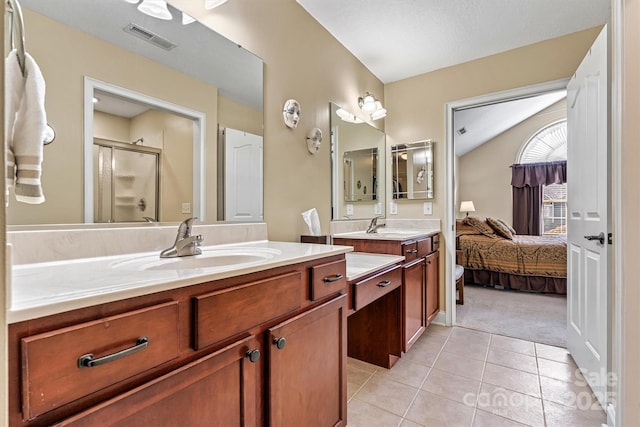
<point x="373" y="225"/>
<point x="185" y="243"/>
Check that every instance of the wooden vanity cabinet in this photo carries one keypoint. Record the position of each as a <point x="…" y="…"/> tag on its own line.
<point x="414" y="297"/>
<point x="250" y="350"/>
<point x="188" y="396"/>
<point x="420" y="299"/>
<point x="307" y="368"/>
<point x="432" y="276"/>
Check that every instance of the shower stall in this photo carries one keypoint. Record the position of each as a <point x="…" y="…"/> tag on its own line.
<point x="126" y="182"/>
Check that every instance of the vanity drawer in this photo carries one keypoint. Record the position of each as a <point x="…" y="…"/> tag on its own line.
<point x="223" y="314"/>
<point x="436" y="243"/>
<point x="424" y="247"/>
<point x="410" y="251"/>
<point x="55" y="365"/>
<point x="327" y="279"/>
<point x="369" y="290"/>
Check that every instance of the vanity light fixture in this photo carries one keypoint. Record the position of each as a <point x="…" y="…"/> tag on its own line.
<point x="370" y="105"/>
<point x="155" y="8"/>
<point x="210" y="4"/>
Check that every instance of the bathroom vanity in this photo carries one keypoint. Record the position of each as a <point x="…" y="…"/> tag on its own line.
<point x="419" y="293"/>
<point x="193" y="346"/>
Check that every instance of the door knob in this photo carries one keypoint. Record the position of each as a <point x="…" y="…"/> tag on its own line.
<point x="599" y="237"/>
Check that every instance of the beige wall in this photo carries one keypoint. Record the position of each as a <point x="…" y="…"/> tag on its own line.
<point x="302" y="61"/>
<point x="237" y="116"/>
<point x="416" y="106"/>
<point x="483" y="174"/>
<point x="108" y="126"/>
<point x="629" y="229"/>
<point x="65" y="63"/>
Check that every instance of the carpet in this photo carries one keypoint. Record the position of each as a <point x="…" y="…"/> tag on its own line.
<point x="541" y="318"/>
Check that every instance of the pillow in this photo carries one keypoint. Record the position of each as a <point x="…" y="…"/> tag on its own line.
<point x="480" y="225"/>
<point x="500" y="227"/>
<point x="462" y="228"/>
<point x="513" y="230"/>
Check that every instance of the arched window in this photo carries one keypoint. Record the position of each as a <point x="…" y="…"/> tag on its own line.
<point x="549" y="144"/>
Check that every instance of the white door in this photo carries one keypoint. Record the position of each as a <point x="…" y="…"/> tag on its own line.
<point x="243" y="176"/>
<point x="587" y="318"/>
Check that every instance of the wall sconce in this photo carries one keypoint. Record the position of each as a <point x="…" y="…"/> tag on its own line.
<point x="467" y="206"/>
<point x="370" y="105"/>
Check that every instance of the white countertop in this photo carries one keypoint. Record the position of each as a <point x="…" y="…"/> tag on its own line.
<point x="360" y="264"/>
<point x="42" y="289"/>
<point x="389" y="234"/>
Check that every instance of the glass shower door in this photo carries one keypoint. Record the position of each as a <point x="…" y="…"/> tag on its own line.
<point x="126" y="184"/>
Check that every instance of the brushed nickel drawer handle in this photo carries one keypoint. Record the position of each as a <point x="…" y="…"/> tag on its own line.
<point x="333" y="278"/>
<point x="87" y="361"/>
<point x="412" y="251"/>
<point x="384" y="283"/>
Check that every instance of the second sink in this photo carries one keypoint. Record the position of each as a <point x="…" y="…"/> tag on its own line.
<point x="210" y="259"/>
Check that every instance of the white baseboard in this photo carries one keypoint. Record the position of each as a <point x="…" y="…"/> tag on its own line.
<point x="440" y="319"/>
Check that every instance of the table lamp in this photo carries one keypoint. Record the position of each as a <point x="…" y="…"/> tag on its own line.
<point x="467" y="206"/>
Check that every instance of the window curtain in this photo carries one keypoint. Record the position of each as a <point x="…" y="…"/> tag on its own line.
<point x="526" y="182"/>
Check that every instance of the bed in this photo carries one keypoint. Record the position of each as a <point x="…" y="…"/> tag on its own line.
<point x="492" y="254"/>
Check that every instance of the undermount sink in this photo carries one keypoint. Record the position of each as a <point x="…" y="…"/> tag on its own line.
<point x="210" y="259"/>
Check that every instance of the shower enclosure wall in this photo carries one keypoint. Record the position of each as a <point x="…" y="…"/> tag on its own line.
<point x="126" y="182"/>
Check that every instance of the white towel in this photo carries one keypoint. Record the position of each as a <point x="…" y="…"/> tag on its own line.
<point x="26" y="121"/>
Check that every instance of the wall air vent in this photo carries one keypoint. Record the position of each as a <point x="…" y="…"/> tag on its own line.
<point x="149" y="36"/>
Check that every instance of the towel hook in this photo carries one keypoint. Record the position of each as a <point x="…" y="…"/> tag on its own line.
<point x="17" y="25"/>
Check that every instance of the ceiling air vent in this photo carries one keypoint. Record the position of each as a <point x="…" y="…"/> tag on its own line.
<point x="148" y="36"/>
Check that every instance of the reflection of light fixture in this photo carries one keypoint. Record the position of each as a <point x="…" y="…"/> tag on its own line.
<point x="156" y="8"/>
<point x="467" y="206"/>
<point x="421" y="173"/>
<point x="370" y="105"/>
<point x="210" y="4"/>
<point x="347" y="116"/>
<point x="187" y="19"/>
<point x="132" y="1"/>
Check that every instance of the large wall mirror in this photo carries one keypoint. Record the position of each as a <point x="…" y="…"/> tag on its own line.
<point x="357" y="159"/>
<point x="159" y="84"/>
<point x="412" y="170"/>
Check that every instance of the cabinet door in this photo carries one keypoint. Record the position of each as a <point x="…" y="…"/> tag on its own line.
<point x="219" y="389"/>
<point x="414" y="302"/>
<point x="307" y="368"/>
<point x="433" y="286"/>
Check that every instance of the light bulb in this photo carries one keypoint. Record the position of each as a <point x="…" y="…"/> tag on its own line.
<point x="368" y="104"/>
<point x="155" y="8"/>
<point x="210" y="4"/>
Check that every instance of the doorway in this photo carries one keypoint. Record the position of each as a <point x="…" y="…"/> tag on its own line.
<point x="450" y="184"/>
<point x="529" y="131"/>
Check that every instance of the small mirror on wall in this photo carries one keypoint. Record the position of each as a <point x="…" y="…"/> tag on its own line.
<point x="360" y="175"/>
<point x="412" y="167"/>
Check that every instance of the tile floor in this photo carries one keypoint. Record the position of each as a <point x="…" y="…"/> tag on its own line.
<point x="461" y="377"/>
